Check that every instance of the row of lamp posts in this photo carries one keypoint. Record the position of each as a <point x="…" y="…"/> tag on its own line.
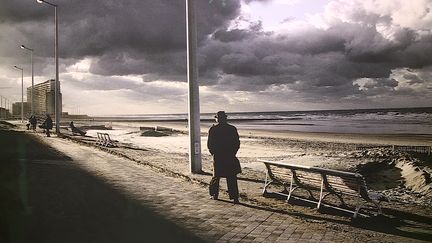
<point x="56" y="84"/>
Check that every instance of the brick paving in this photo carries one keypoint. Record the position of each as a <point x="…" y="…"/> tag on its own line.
<point x="188" y="205"/>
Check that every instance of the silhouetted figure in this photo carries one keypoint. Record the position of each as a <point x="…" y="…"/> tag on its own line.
<point x="223" y="143"/>
<point x="28" y="124"/>
<point x="33" y="122"/>
<point x="75" y="129"/>
<point x="47" y="125"/>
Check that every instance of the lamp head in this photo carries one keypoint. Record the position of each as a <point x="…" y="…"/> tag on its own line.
<point x="39" y="1"/>
<point x="23" y="47"/>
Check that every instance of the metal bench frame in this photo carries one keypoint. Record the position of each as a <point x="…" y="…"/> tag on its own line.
<point x="104" y="139"/>
<point x="326" y="181"/>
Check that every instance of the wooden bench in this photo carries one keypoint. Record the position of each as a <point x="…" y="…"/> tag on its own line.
<point x="328" y="182"/>
<point x="104" y="139"/>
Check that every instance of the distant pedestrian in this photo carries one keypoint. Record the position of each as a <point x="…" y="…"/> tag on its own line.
<point x="75" y="130"/>
<point x="28" y="124"/>
<point x="33" y="122"/>
<point x="223" y="143"/>
<point x="48" y="124"/>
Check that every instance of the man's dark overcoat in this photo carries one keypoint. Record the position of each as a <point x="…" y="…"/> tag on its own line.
<point x="223" y="143"/>
<point x="49" y="123"/>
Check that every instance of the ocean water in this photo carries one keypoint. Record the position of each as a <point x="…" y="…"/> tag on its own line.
<point x="364" y="121"/>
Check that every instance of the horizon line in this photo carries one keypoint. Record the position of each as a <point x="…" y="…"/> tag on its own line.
<point x="273" y="111"/>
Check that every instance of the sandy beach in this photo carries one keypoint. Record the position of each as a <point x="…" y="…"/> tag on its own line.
<point x="369" y="154"/>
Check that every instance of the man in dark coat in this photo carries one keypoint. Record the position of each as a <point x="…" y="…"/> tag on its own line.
<point x="48" y="124"/>
<point x="33" y="122"/>
<point x="223" y="143"/>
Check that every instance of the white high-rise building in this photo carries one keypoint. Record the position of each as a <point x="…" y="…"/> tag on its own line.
<point x="44" y="98"/>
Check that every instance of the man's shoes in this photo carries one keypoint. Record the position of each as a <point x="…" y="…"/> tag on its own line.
<point x="214" y="197"/>
<point x="236" y="201"/>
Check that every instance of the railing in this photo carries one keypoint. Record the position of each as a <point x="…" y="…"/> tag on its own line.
<point x="403" y="148"/>
<point x="417" y="149"/>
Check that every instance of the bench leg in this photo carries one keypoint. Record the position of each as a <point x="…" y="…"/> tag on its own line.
<point x="321" y="197"/>
<point x="341" y="199"/>
<point x="378" y="206"/>
<point x="291" y="188"/>
<point x="358" y="207"/>
<point x="97" y="139"/>
<point x="267" y="182"/>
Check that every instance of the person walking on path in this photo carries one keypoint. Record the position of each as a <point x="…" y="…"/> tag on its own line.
<point x="223" y="143"/>
<point x="28" y="125"/>
<point x="48" y="124"/>
<point x="33" y="122"/>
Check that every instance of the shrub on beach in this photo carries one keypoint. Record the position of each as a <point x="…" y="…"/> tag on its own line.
<point x="153" y="133"/>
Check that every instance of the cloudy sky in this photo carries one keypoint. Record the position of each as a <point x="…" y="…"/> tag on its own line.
<point x="129" y="56"/>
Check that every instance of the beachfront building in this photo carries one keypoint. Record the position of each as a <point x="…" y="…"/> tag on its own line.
<point x="4" y="113"/>
<point x="44" y="98"/>
<point x="16" y="109"/>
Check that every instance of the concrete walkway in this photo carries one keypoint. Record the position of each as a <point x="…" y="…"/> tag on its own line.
<point x="187" y="204"/>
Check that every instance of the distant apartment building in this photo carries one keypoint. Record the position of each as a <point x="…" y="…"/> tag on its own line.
<point x="44" y="98"/>
<point x="16" y="109"/>
<point x="4" y="113"/>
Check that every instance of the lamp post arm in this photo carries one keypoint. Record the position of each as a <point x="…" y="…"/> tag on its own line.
<point x="43" y="1"/>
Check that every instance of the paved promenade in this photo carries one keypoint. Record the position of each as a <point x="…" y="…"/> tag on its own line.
<point x="183" y="203"/>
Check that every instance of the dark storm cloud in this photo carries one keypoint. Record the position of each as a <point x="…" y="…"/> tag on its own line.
<point x="232" y="35"/>
<point x="107" y="27"/>
<point x="147" y="38"/>
<point x="381" y="83"/>
<point x="316" y="62"/>
<point x="225" y="35"/>
<point x="413" y="79"/>
<point x="167" y="64"/>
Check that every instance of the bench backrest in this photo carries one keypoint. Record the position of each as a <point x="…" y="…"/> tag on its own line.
<point x="313" y="177"/>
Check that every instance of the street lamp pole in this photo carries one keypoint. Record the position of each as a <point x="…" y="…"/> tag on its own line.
<point x="57" y="83"/>
<point x="193" y="94"/>
<point x="22" y="92"/>
<point x="32" y="73"/>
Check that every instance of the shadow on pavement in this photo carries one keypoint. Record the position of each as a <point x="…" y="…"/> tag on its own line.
<point x="51" y="201"/>
<point x="392" y="222"/>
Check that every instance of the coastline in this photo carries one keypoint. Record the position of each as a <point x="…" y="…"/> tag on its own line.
<point x="347" y="152"/>
<point x="351" y="138"/>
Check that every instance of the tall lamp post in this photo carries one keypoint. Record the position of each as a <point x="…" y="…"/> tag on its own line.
<point x="193" y="94"/>
<point x="32" y="87"/>
<point x="22" y="92"/>
<point x="57" y="83"/>
<point x="1" y="105"/>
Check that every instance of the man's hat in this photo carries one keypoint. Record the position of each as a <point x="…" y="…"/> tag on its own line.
<point x="221" y="114"/>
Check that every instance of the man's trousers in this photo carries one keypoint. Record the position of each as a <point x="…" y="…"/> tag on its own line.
<point x="231" y="183"/>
